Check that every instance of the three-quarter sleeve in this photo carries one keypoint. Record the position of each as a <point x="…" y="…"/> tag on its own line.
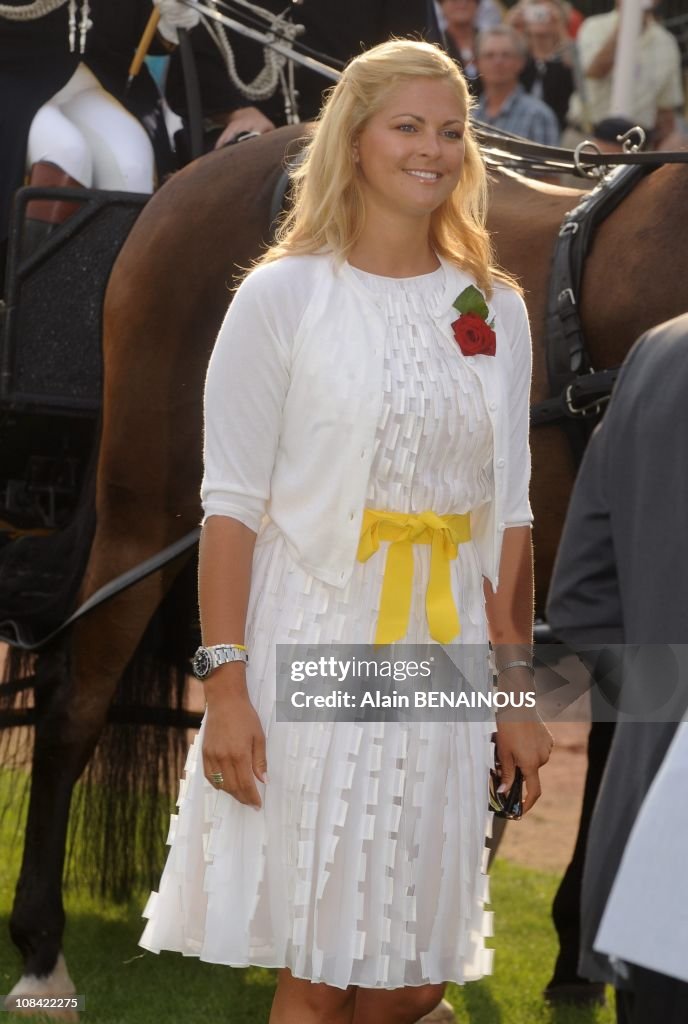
<point x="517" y="510"/>
<point x="246" y="385"/>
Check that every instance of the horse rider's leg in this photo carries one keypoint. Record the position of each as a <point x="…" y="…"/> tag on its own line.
<point x="73" y="696"/>
<point x="398" y="1005"/>
<point x="45" y="174"/>
<point x="57" y="157"/>
<point x="53" y="139"/>
<point x="298" y="1001"/>
<point x="122" y="152"/>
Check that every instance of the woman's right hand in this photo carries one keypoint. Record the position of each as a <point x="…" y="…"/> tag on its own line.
<point x="234" y="741"/>
<point x="234" y="744"/>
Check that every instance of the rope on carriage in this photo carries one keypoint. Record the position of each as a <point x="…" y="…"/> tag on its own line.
<point x="333" y="65"/>
<point x="31" y="11"/>
<point x="268" y="78"/>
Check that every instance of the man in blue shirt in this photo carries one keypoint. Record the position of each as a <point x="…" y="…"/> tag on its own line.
<point x="504" y="102"/>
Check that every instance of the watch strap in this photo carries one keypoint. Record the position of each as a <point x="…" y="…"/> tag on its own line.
<point x="223" y="654"/>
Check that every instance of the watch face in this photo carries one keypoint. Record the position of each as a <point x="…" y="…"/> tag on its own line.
<point x="201" y="663"/>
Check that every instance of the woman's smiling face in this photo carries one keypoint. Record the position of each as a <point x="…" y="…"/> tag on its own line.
<point x="410" y="153"/>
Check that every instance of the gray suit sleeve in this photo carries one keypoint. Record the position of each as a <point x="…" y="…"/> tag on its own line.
<point x="584" y="605"/>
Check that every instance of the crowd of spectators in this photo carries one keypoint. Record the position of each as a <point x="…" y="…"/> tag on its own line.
<point x="657" y="95"/>
<point x="541" y="58"/>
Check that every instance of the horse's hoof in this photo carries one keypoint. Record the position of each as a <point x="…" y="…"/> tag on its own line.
<point x="442" y="1014"/>
<point x="49" y="986"/>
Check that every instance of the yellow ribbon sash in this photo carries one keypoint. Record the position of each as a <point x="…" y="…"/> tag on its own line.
<point x="444" y="533"/>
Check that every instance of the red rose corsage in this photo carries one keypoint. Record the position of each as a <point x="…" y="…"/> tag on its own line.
<point x="474" y="335"/>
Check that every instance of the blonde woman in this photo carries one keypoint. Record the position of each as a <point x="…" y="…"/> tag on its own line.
<point x="343" y="420"/>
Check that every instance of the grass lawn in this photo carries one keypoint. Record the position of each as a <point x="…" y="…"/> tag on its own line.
<point x="124" y="985"/>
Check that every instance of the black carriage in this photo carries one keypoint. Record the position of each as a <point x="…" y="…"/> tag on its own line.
<point x="50" y="400"/>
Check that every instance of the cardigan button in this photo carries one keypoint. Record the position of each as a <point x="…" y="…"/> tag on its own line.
<point x="500" y="463"/>
<point x="493" y="406"/>
<point x="501" y="527"/>
<point x="470" y="359"/>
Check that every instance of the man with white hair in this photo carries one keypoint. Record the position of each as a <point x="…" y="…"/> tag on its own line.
<point x="504" y="102"/>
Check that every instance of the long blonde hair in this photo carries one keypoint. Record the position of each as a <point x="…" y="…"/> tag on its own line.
<point x="327" y="210"/>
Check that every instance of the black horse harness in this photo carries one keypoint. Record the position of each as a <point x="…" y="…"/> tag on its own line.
<point x="578" y="392"/>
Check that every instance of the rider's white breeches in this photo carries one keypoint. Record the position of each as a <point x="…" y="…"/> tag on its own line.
<point x="86" y="132"/>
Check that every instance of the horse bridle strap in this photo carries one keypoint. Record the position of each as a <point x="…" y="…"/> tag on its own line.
<point x="497" y="144"/>
<point x="10" y="631"/>
<point x="566" y="356"/>
<point x="585" y="397"/>
<point x="578" y="393"/>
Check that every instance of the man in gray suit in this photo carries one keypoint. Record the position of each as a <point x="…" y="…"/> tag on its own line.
<point x="620" y="579"/>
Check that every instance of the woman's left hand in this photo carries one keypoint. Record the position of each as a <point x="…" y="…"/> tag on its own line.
<point x="525" y="745"/>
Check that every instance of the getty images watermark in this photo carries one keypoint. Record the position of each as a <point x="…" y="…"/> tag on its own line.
<point x="419" y="682"/>
<point x="430" y="682"/>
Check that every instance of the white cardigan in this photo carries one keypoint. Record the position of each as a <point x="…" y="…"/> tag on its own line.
<point x="292" y="401"/>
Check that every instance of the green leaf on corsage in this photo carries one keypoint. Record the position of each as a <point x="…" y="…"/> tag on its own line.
<point x="471" y="301"/>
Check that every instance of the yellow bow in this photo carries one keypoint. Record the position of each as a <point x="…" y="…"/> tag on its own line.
<point x="444" y="533"/>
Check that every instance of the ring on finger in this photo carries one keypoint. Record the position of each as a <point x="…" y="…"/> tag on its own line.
<point x="217" y="779"/>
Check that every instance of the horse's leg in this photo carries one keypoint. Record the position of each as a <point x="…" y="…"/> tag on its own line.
<point x="37" y="919"/>
<point x="74" y="693"/>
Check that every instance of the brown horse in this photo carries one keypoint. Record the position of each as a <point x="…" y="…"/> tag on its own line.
<point x="166" y="297"/>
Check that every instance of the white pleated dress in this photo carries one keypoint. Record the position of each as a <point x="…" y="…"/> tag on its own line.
<point x="365" y="864"/>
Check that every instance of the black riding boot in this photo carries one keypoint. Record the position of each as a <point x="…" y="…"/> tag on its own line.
<point x="44" y="215"/>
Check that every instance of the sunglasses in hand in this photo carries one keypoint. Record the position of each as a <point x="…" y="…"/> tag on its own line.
<point x="509" y="804"/>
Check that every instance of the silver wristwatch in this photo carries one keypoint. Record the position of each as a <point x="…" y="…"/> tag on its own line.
<point x="207" y="659"/>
